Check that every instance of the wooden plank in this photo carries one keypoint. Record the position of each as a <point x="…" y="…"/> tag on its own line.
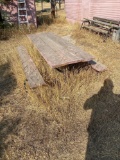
<point x="57" y="51"/>
<point x="104" y="23"/>
<point x="51" y="57"/>
<point x="71" y="48"/>
<point x="97" y="66"/>
<point x="107" y="20"/>
<point x="61" y="51"/>
<point x="102" y="26"/>
<point x="107" y="24"/>
<point x="96" y="29"/>
<point x="32" y="74"/>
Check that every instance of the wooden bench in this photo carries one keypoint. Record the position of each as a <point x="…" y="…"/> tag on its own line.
<point x="101" y="25"/>
<point x="32" y="74"/>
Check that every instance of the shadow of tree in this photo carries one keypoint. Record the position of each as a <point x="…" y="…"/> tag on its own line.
<point x="7" y="81"/>
<point x="104" y="126"/>
<point x="7" y="127"/>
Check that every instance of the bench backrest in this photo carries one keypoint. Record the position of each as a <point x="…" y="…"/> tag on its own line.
<point x="111" y="21"/>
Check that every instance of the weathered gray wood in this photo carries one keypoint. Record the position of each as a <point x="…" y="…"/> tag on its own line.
<point x="106" y="25"/>
<point x="58" y="51"/>
<point x="71" y="48"/>
<point x="111" y="21"/>
<point x="96" y="29"/>
<point x="97" y="66"/>
<point x="111" y="25"/>
<point x="116" y="35"/>
<point x="102" y="26"/>
<point x="32" y="74"/>
<point x="48" y="54"/>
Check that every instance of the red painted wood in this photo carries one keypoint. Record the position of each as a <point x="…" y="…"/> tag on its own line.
<point x="73" y="10"/>
<point x="105" y="9"/>
<point x="78" y="9"/>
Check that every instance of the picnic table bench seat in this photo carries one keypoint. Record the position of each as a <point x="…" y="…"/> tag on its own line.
<point x="32" y="74"/>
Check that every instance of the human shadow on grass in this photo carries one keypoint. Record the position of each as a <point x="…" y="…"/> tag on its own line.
<point x="104" y="125"/>
<point x="7" y="81"/>
<point x="7" y="127"/>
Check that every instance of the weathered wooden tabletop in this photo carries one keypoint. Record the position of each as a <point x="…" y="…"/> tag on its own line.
<point x="57" y="51"/>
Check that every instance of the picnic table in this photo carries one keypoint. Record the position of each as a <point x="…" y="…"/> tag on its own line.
<point x="33" y="76"/>
<point x="59" y="52"/>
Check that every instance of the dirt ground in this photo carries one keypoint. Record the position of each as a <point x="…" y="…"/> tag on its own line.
<point x="76" y="116"/>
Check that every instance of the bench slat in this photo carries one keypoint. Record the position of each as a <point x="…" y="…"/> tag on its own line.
<point x="96" y="29"/>
<point x="32" y="74"/>
<point x="59" y="50"/>
<point x="103" y="23"/>
<point x="71" y="48"/>
<point x="107" y="20"/>
<point x="106" y="24"/>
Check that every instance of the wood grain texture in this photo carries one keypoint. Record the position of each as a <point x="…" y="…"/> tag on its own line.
<point x="96" y="29"/>
<point x="57" y="51"/>
<point x="98" y="66"/>
<point x="32" y="74"/>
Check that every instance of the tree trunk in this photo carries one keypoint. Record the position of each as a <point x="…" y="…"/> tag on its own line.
<point x="53" y="8"/>
<point x="1" y="20"/>
<point x="42" y="4"/>
<point x="59" y="4"/>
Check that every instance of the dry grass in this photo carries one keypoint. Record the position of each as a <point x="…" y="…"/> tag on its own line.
<point x="47" y="5"/>
<point x="59" y="121"/>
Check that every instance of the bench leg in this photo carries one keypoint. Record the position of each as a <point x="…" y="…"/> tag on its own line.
<point x="116" y="36"/>
<point x="81" y="25"/>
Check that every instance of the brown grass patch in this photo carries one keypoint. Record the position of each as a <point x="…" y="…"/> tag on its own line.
<point x="72" y="113"/>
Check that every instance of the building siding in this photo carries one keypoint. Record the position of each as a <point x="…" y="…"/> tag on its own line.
<point x="106" y="9"/>
<point x="73" y="10"/>
<point x="12" y="11"/>
<point x="78" y="9"/>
